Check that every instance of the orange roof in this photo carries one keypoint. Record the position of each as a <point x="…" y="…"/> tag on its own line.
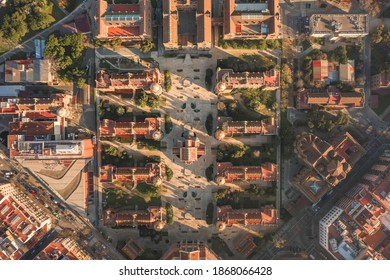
<point x="32" y="128"/>
<point x="320" y="70"/>
<point x="123" y="31"/>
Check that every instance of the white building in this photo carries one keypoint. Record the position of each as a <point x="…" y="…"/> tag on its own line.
<point x="339" y="25"/>
<point x="325" y="223"/>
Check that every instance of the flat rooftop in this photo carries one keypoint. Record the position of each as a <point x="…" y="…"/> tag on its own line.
<point x="339" y="23"/>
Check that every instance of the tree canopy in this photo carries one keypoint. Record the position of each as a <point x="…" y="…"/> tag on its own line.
<point x="25" y="16"/>
<point x="67" y="53"/>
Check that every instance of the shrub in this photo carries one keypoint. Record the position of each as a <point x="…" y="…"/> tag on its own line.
<point x="210" y="173"/>
<point x="210" y="213"/>
<point x="209" y="79"/>
<point x="169" y="210"/>
<point x="168" y="124"/>
<point x="168" y="173"/>
<point x="209" y="124"/>
<point x="167" y="81"/>
<point x="146" y="46"/>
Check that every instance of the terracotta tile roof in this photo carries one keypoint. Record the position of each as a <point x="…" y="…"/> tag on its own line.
<point x="23" y="223"/>
<point x="131" y="218"/>
<point x="32" y="128"/>
<point x="82" y="23"/>
<point x="129" y="130"/>
<point x="231" y="173"/>
<point x="245" y="245"/>
<point x="124" y="9"/>
<point x="247" y="21"/>
<point x="134" y="81"/>
<point x="135" y="22"/>
<point x="229" y="216"/>
<point x="320" y="70"/>
<point x="189" y="148"/>
<point x="132" y="249"/>
<point x="227" y="80"/>
<point x="122" y="31"/>
<point x="189" y="250"/>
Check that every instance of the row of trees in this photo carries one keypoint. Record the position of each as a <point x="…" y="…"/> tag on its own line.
<point x="327" y="122"/>
<point x="249" y="44"/>
<point x="25" y="16"/>
<point x="380" y="39"/>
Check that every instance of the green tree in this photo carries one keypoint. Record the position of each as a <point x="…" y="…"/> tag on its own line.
<point x="115" y="43"/>
<point x="40" y="20"/>
<point x="240" y="151"/>
<point x="168" y="173"/>
<point x="141" y="99"/>
<point x="341" y="54"/>
<point x="167" y="80"/>
<point x="153" y="101"/>
<point x="120" y="110"/>
<point x="146" y="46"/>
<point x="169" y="213"/>
<point x="376" y="36"/>
<point x="209" y="124"/>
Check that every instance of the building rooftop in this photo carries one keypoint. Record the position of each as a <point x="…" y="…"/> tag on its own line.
<point x="227" y="173"/>
<point x="148" y="129"/>
<point x="189" y="250"/>
<point x="331" y="97"/>
<point x="230" y="128"/>
<point x="126" y="21"/>
<point x="331" y="161"/>
<point x="150" y="174"/>
<point x="189" y="148"/>
<point x="151" y="218"/>
<point x="178" y="32"/>
<point x="249" y="20"/>
<point x="343" y="25"/>
<point x="22" y="223"/>
<point x="227" y="216"/>
<point x="63" y="249"/>
<point x="227" y="80"/>
<point x="149" y="81"/>
<point x="356" y="228"/>
<point x="28" y="71"/>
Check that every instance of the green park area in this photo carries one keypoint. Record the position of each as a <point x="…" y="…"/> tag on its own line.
<point x="22" y="21"/>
